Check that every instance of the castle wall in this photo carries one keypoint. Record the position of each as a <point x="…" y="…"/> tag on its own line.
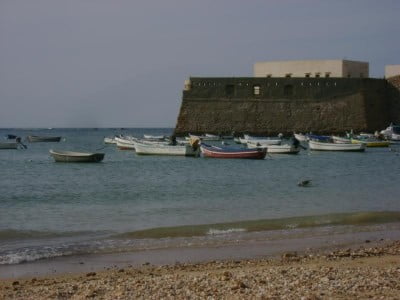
<point x="274" y="105"/>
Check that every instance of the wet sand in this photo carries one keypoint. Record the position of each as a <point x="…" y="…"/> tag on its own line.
<point x="348" y="266"/>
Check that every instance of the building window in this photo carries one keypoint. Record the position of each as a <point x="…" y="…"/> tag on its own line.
<point x="317" y="75"/>
<point x="308" y="75"/>
<point x="361" y="75"/>
<point x="256" y="90"/>
<point x="328" y="74"/>
<point x="288" y="75"/>
<point x="229" y="90"/>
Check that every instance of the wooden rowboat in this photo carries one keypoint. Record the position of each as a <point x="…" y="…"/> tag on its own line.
<point x="276" y="149"/>
<point x="70" y="156"/>
<point x="164" y="149"/>
<point x="371" y="143"/>
<point x="325" y="146"/>
<point x="8" y="145"/>
<point x="225" y="152"/>
<point x="36" y="139"/>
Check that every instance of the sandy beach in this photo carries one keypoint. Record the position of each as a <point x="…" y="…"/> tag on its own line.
<point x="370" y="270"/>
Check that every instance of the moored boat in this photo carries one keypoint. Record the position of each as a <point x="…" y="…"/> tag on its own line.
<point x="154" y="137"/>
<point x="392" y="132"/>
<point x="262" y="141"/>
<point x="227" y="152"/>
<point x="277" y="149"/>
<point x="125" y="143"/>
<point x="36" y="139"/>
<point x="110" y="140"/>
<point x="164" y="149"/>
<point x="300" y="137"/>
<point x="206" y="137"/>
<point x="8" y="145"/>
<point x="371" y="143"/>
<point x="326" y="146"/>
<point x="340" y="140"/>
<point x="71" y="156"/>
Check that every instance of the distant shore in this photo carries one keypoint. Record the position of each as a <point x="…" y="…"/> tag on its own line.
<point x="371" y="270"/>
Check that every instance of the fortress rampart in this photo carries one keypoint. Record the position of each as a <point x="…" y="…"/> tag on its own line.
<point x="260" y="105"/>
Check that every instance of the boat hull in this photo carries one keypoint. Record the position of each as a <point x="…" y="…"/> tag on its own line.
<point x="372" y="143"/>
<point x="159" y="149"/>
<point x="37" y="139"/>
<point x="4" y="146"/>
<point x="321" y="146"/>
<point x="215" y="152"/>
<point x="76" y="157"/>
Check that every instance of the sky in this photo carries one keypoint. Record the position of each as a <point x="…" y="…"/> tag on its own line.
<point x="122" y="63"/>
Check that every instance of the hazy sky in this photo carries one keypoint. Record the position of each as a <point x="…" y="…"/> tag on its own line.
<point x="114" y="63"/>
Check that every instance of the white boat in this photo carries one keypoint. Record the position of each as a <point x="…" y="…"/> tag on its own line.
<point x="8" y="145"/>
<point x="392" y="132"/>
<point x="261" y="141"/>
<point x="154" y="137"/>
<point x="300" y="137"/>
<point x="70" y="156"/>
<point x="125" y="143"/>
<point x="159" y="149"/>
<point x="324" y="146"/>
<point x="110" y="140"/>
<point x="206" y="137"/>
<point x="277" y="149"/>
<point x="341" y="140"/>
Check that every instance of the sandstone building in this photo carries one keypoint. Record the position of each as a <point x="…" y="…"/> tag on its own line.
<point x="312" y="68"/>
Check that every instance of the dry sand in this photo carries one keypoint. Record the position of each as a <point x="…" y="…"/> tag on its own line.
<point x="367" y="271"/>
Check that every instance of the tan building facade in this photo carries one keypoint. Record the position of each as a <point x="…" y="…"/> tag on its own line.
<point x="312" y="68"/>
<point x="392" y="70"/>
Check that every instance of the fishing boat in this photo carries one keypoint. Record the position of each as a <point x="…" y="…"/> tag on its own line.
<point x="276" y="149"/>
<point x="341" y="140"/>
<point x="319" y="138"/>
<point x="36" y="139"/>
<point x="262" y="141"/>
<point x="392" y="132"/>
<point x="207" y="137"/>
<point x="300" y="137"/>
<point x="10" y="136"/>
<point x="164" y="149"/>
<point x="326" y="146"/>
<point x="110" y="140"/>
<point x="8" y="145"/>
<point x="371" y="142"/>
<point x="70" y="156"/>
<point x="125" y="143"/>
<point x="154" y="137"/>
<point x="228" y="152"/>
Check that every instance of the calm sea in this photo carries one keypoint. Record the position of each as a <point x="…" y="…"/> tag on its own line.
<point x="129" y="202"/>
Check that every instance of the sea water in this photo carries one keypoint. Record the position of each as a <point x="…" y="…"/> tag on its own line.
<point x="129" y="202"/>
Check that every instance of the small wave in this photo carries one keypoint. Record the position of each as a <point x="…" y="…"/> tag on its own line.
<point x="336" y="219"/>
<point x="227" y="231"/>
<point x="13" y="234"/>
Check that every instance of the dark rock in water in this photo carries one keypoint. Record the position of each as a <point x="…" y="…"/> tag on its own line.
<point x="304" y="183"/>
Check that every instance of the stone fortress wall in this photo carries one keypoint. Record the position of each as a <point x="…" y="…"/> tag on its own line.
<point x="272" y="105"/>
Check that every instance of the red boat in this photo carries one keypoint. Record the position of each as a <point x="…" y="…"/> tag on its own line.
<point x="218" y="152"/>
